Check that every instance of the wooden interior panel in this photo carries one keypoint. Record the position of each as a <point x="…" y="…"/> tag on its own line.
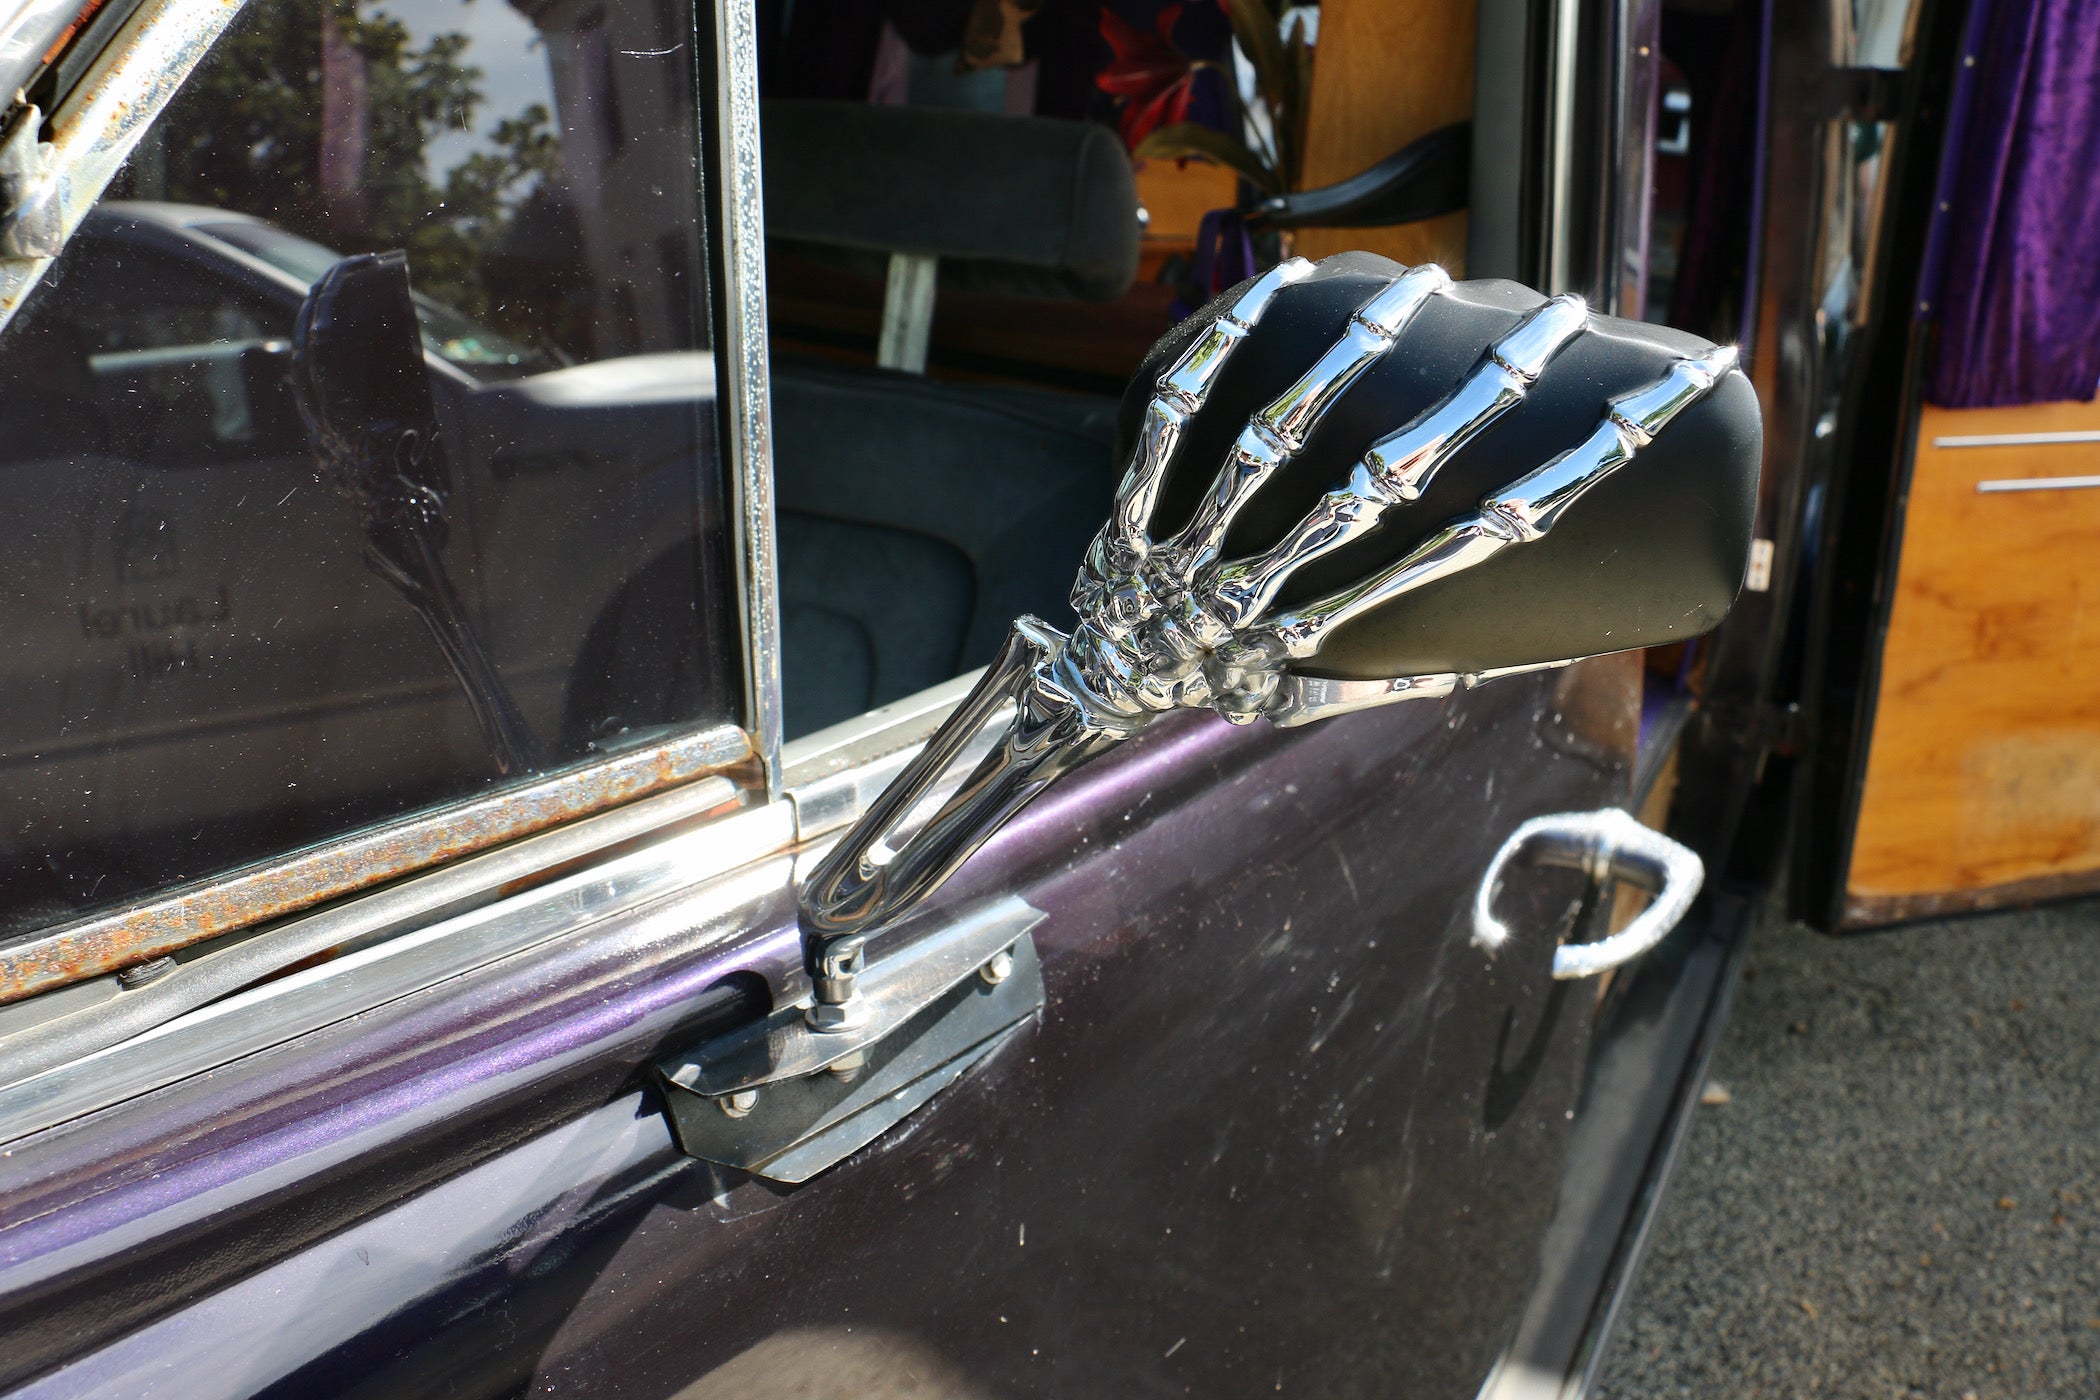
<point x="1384" y="73"/>
<point x="1176" y="194"/>
<point x="1983" y="774"/>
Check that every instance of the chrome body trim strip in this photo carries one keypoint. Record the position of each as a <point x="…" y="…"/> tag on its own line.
<point x="92" y="1016"/>
<point x="743" y="381"/>
<point x="2016" y="439"/>
<point x="96" y="126"/>
<point x="162" y="925"/>
<point x="387" y="944"/>
<point x="2038" y="483"/>
<point x="357" y="981"/>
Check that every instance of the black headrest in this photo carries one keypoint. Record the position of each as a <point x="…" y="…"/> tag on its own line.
<point x="1025" y="206"/>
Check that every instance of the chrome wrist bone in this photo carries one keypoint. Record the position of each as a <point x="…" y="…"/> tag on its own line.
<point x="1175" y="622"/>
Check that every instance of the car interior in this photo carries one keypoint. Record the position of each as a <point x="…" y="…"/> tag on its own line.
<point x="919" y="514"/>
<point x="962" y="274"/>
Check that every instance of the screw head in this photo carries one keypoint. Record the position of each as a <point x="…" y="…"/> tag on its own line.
<point x="740" y="1103"/>
<point x="145" y="972"/>
<point x="999" y="968"/>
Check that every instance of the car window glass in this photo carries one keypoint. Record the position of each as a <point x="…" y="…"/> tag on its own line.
<point x="928" y="308"/>
<point x="361" y="445"/>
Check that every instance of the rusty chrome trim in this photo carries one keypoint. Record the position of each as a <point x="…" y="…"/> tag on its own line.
<point x="28" y="30"/>
<point x="743" y="383"/>
<point x="708" y="875"/>
<point x="60" y="1027"/>
<point x="159" y="926"/>
<point x="96" y="126"/>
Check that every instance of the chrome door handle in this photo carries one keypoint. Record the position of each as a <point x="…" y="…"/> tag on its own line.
<point x="1609" y="845"/>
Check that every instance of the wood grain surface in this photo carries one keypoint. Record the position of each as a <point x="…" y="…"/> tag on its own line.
<point x="1983" y="772"/>
<point x="1384" y="73"/>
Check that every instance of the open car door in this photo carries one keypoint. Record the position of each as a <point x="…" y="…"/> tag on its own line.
<point x="1927" y="711"/>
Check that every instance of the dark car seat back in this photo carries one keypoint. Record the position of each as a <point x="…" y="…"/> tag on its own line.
<point x="917" y="517"/>
<point x="1023" y="206"/>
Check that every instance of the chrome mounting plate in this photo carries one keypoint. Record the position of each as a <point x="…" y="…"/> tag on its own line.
<point x="782" y="1100"/>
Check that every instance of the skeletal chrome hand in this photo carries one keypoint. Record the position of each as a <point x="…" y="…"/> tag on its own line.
<point x="1177" y="622"/>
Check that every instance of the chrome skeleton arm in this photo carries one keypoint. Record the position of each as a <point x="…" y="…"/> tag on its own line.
<point x="1171" y="623"/>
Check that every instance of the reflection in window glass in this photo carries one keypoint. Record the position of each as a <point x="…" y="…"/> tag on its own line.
<point x="301" y="543"/>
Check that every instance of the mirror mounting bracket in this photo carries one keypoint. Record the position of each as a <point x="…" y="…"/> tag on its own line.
<point x="782" y="1099"/>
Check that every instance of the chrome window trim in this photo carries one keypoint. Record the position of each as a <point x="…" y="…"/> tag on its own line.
<point x="282" y="1010"/>
<point x="95" y="128"/>
<point x="742" y="373"/>
<point x="403" y="939"/>
<point x="179" y="918"/>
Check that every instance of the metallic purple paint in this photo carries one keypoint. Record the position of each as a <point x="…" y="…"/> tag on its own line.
<point x="1278" y="1107"/>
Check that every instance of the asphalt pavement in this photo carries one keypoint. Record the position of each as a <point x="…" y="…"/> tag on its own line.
<point x="1900" y="1195"/>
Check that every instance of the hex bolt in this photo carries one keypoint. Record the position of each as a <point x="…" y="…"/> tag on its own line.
<point x="849" y="1064"/>
<point x="829" y="1018"/>
<point x="999" y="968"/>
<point x="739" y="1103"/>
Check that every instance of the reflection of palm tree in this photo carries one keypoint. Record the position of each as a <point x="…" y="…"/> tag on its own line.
<point x="318" y="117"/>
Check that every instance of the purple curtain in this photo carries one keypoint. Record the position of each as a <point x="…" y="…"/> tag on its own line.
<point x="2020" y="292"/>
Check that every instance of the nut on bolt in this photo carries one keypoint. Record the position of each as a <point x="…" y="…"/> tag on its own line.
<point x="999" y="968"/>
<point x="738" y="1104"/>
<point x="830" y="1017"/>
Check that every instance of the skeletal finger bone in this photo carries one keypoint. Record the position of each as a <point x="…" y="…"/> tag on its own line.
<point x="1398" y="466"/>
<point x="1125" y="540"/>
<point x="1516" y="514"/>
<point x="1277" y="433"/>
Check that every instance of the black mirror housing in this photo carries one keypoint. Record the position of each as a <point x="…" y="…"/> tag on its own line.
<point x="1654" y="552"/>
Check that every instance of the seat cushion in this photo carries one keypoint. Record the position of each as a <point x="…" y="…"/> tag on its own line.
<point x="867" y="614"/>
<point x="962" y="506"/>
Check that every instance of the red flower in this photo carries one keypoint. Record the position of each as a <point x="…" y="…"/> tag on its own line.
<point x="1153" y="80"/>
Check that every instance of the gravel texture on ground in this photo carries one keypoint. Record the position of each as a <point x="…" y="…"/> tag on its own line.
<point x="1900" y="1195"/>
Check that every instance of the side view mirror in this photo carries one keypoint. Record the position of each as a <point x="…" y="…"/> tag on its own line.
<point x="1348" y="485"/>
